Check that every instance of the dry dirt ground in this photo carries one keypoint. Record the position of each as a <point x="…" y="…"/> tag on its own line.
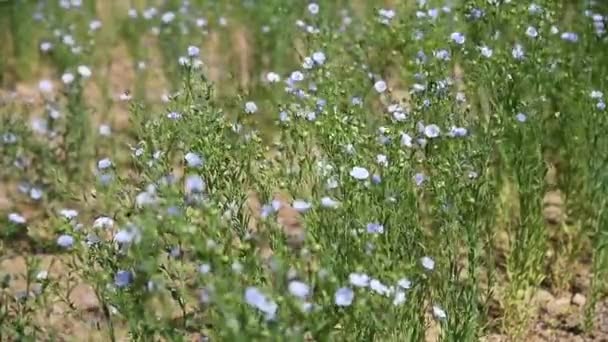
<point x="557" y="318"/>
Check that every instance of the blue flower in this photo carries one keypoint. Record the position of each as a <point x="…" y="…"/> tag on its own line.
<point x="104" y="163"/>
<point x="255" y="298"/>
<point x="283" y="116"/>
<point x="299" y="289"/>
<point x="458" y="132"/>
<point x="427" y="263"/>
<point x="266" y="211"/>
<point x="65" y="241"/>
<point x="321" y="103"/>
<point x="105" y="178"/>
<point x="328" y="202"/>
<point x="318" y="57"/>
<point x="376" y="179"/>
<point x="301" y="205"/>
<point x="535" y="9"/>
<point x="204" y="295"/>
<point x="174" y="115"/>
<point x="296" y="76"/>
<point x="194" y="184"/>
<point x="344" y="296"/>
<point x="570" y="37"/>
<point x="457" y="38"/>
<point x="400" y="298"/>
<point x="375" y="228"/>
<point x="273" y="77"/>
<point x="358" y="279"/>
<point x="313" y="8"/>
<point x="421" y="57"/>
<point x="331" y="183"/>
<point x="36" y="193"/>
<point x="125" y="236"/>
<point x="175" y="252"/>
<point x="521" y="117"/>
<point x="439" y="313"/>
<point x="123" y="278"/>
<point x="16" y="218"/>
<point x="193" y="51"/>
<point x="237" y="267"/>
<point x="432" y="131"/>
<point x="406" y="140"/>
<point x="475" y="13"/>
<point x="382" y="160"/>
<point x="380" y="86"/>
<point x="146" y="198"/>
<point x="173" y="211"/>
<point x="404" y="283"/>
<point x="9" y="138"/>
<point x="204" y="268"/>
<point x="486" y="51"/>
<point x="251" y="107"/>
<point x="193" y="159"/>
<point x="596" y="94"/>
<point x="518" y="52"/>
<point x="531" y="32"/>
<point x="419" y="178"/>
<point x="103" y="222"/>
<point x="92" y="239"/>
<point x="386" y="15"/>
<point x="68" y="213"/>
<point x="378" y="287"/>
<point x="167" y="17"/>
<point x="359" y="173"/>
<point x="442" y="54"/>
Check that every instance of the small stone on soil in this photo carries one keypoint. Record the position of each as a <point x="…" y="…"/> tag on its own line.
<point x="579" y="300"/>
<point x="558" y="307"/>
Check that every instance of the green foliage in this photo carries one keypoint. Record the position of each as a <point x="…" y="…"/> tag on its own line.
<point x="402" y="160"/>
